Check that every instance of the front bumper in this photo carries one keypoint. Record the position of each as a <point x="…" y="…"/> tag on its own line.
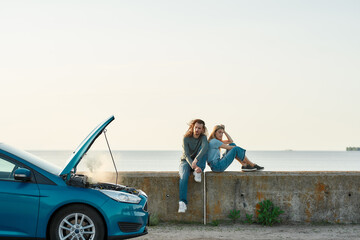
<point x="126" y="220"/>
<point x="129" y="236"/>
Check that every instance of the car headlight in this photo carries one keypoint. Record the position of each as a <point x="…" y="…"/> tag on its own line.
<point x="121" y="196"/>
<point x="143" y="193"/>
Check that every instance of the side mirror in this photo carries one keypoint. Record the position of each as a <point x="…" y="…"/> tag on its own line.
<point x="22" y="174"/>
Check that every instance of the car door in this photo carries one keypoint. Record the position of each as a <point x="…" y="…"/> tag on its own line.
<point x="19" y="202"/>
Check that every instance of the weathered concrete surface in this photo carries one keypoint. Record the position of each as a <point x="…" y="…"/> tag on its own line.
<point x="163" y="191"/>
<point x="303" y="196"/>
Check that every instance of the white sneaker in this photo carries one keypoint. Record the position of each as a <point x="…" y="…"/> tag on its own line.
<point x="197" y="176"/>
<point x="182" y="207"/>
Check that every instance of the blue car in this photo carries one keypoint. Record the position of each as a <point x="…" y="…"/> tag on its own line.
<point x="39" y="200"/>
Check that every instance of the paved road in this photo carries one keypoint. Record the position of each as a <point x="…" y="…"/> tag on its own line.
<point x="254" y="231"/>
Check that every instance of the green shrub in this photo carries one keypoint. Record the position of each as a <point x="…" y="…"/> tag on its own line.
<point x="268" y="213"/>
<point x="215" y="223"/>
<point x="154" y="219"/>
<point x="234" y="215"/>
<point x="249" y="218"/>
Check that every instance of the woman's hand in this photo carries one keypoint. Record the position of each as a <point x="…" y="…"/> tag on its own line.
<point x="198" y="170"/>
<point x="229" y="139"/>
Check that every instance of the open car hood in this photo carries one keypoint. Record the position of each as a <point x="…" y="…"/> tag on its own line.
<point x="84" y="147"/>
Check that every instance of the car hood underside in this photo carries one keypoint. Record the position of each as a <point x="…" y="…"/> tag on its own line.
<point x="79" y="180"/>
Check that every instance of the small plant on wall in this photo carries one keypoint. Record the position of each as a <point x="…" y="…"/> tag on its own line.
<point x="234" y="215"/>
<point x="154" y="219"/>
<point x="249" y="218"/>
<point x="215" y="223"/>
<point x="268" y="213"/>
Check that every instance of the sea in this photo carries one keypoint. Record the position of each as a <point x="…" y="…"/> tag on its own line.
<point x="169" y="160"/>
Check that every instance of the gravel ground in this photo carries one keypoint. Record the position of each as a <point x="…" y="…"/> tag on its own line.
<point x="243" y="231"/>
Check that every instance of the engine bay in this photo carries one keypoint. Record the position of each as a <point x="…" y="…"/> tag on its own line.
<point x="80" y="180"/>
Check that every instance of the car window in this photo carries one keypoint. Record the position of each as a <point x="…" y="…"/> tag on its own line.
<point x="7" y="169"/>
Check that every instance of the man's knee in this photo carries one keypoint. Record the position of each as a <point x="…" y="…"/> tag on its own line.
<point x="184" y="171"/>
<point x="184" y="175"/>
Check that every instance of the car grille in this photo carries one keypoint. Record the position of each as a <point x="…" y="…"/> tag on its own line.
<point x="129" y="227"/>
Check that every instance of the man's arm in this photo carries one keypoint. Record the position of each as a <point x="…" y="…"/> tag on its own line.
<point x="187" y="152"/>
<point x="203" y="150"/>
<point x="204" y="147"/>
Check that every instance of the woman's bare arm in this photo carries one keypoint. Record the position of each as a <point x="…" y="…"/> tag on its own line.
<point x="229" y="139"/>
<point x="227" y="146"/>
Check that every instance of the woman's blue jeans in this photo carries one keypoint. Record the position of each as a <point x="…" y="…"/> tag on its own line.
<point x="220" y="165"/>
<point x="184" y="172"/>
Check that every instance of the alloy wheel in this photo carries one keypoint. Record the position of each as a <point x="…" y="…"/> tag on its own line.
<point x="77" y="226"/>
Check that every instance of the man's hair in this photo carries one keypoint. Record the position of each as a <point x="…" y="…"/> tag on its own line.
<point x="217" y="127"/>
<point x="190" y="130"/>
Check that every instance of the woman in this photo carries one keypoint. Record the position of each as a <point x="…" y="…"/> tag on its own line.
<point x="218" y="164"/>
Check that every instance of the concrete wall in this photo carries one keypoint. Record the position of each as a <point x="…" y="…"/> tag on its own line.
<point x="303" y="196"/>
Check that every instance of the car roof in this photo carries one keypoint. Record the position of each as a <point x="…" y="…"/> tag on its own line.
<point x="31" y="158"/>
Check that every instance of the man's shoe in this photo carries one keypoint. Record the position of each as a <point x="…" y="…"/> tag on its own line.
<point x="259" y="168"/>
<point x="248" y="168"/>
<point x="182" y="207"/>
<point x="197" y="176"/>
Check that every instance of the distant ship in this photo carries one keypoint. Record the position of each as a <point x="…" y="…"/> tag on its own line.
<point x="353" y="149"/>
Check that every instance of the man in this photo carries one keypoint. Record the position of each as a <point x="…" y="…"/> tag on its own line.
<point x="195" y="146"/>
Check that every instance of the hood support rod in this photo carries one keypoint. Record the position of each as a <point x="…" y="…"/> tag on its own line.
<point x="111" y="156"/>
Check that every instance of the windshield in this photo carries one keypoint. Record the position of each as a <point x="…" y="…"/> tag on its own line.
<point x="35" y="160"/>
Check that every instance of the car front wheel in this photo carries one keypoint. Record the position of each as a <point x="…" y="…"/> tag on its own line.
<point x="77" y="222"/>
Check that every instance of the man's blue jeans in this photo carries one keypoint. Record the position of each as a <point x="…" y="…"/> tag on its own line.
<point x="220" y="165"/>
<point x="184" y="172"/>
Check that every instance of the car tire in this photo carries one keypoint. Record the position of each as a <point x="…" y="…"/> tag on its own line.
<point x="77" y="222"/>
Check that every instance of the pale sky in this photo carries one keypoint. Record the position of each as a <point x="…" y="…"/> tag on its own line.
<point x="279" y="74"/>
